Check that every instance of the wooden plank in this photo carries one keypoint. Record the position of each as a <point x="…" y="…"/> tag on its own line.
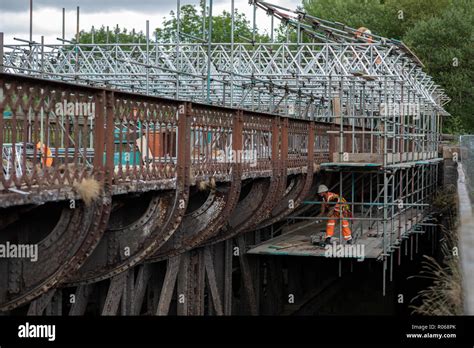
<point x="296" y="240"/>
<point x="359" y="158"/>
<point x="466" y="241"/>
<point x="287" y="245"/>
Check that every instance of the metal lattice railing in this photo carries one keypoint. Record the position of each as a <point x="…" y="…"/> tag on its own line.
<point x="54" y="134"/>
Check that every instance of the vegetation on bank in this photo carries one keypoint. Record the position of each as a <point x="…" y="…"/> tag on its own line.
<point x="444" y="296"/>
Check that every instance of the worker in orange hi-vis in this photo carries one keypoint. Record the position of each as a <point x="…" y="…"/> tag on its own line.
<point x="46" y="155"/>
<point x="339" y="208"/>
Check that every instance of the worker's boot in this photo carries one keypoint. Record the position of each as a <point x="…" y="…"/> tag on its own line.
<point x="349" y="241"/>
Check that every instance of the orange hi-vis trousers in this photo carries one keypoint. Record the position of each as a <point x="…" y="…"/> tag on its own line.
<point x="331" y="224"/>
<point x="346" y="230"/>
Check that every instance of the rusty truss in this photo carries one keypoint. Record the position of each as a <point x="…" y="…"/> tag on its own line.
<point x="192" y="144"/>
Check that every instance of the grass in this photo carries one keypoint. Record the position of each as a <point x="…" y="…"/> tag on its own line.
<point x="445" y="295"/>
<point x="88" y="189"/>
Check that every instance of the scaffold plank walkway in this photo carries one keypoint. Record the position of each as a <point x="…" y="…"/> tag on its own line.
<point x="296" y="240"/>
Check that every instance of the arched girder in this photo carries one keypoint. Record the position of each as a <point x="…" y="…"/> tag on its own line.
<point x="133" y="244"/>
<point x="61" y="252"/>
<point x="199" y="227"/>
<point x="243" y="211"/>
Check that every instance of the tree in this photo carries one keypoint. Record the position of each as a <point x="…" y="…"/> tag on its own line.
<point x="114" y="35"/>
<point x="389" y="18"/>
<point x="190" y="23"/>
<point x="446" y="46"/>
<point x="440" y="32"/>
<point x="193" y="24"/>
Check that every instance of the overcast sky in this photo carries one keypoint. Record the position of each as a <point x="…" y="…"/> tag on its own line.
<point x="47" y="17"/>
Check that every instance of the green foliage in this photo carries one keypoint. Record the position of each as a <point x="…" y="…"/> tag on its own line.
<point x="389" y="18"/>
<point x="446" y="46"/>
<point x="445" y="294"/>
<point x="440" y="32"/>
<point x="191" y="22"/>
<point x="194" y="24"/>
<point x="356" y="13"/>
<point x="114" y="35"/>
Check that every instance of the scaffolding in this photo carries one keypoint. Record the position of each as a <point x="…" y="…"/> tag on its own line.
<point x="301" y="79"/>
<point x="386" y="110"/>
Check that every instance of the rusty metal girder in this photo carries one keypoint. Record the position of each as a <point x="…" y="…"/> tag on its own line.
<point x="299" y="192"/>
<point x="194" y="224"/>
<point x="158" y="224"/>
<point x="152" y="210"/>
<point x="126" y="246"/>
<point x="169" y="283"/>
<point x="273" y="204"/>
<point x="278" y="180"/>
<point x="145" y="121"/>
<point x="191" y="283"/>
<point x="114" y="294"/>
<point x="207" y="221"/>
<point x="264" y="196"/>
<point x="243" y="211"/>
<point x="38" y="306"/>
<point x="282" y="208"/>
<point x="60" y="253"/>
<point x="164" y="230"/>
<point x="197" y="228"/>
<point x="82" y="294"/>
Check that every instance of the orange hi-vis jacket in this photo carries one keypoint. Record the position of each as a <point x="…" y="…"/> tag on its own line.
<point x="46" y="155"/>
<point x="341" y="205"/>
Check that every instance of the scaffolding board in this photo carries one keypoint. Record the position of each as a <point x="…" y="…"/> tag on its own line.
<point x="296" y="240"/>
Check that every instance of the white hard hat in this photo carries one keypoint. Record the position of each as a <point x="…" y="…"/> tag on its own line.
<point x="322" y="188"/>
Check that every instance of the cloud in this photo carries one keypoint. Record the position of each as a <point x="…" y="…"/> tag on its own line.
<point x="86" y="5"/>
<point x="95" y="5"/>
<point x="14" y="16"/>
